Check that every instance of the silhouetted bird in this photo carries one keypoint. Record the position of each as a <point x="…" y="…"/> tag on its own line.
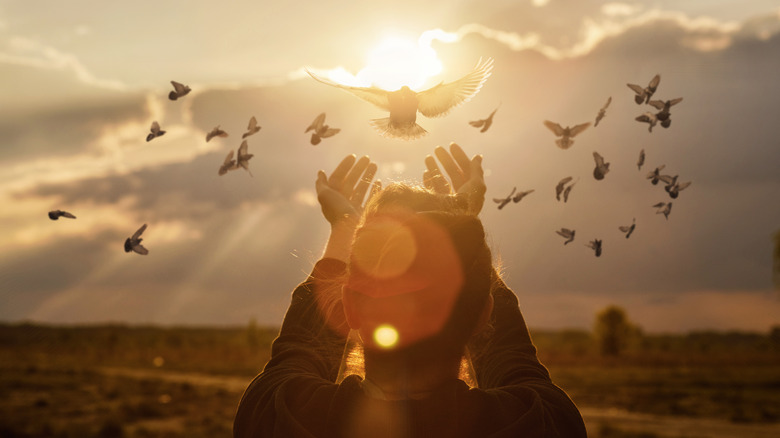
<point x="567" y="233"/>
<point x="672" y="187"/>
<point x="665" y="114"/>
<point x="602" y="112"/>
<point x="655" y="175"/>
<point x="559" y="187"/>
<point x="242" y="160"/>
<point x="643" y="95"/>
<point x="595" y="245"/>
<point x="251" y="128"/>
<point x="663" y="208"/>
<point x="567" y="191"/>
<point x="155" y="131"/>
<point x="56" y="214"/>
<point x="133" y="243"/>
<point x="601" y="168"/>
<point x="404" y="103"/>
<point x="566" y="134"/>
<point x="504" y="201"/>
<point x="641" y="160"/>
<point x="216" y="132"/>
<point x="629" y="229"/>
<point x="484" y="123"/>
<point x="320" y="130"/>
<point x="228" y="165"/>
<point x="648" y="118"/>
<point x="519" y="197"/>
<point x="179" y="90"/>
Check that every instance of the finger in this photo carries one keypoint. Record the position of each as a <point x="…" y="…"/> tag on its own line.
<point x="461" y="158"/>
<point x="375" y="189"/>
<point x="427" y="180"/>
<point x="475" y="166"/>
<point x="453" y="171"/>
<point x="364" y="184"/>
<point x="437" y="182"/>
<point x="348" y="186"/>
<point x="337" y="177"/>
<point x="322" y="181"/>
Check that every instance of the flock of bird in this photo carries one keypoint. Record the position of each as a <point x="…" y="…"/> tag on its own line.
<point x="403" y="105"/>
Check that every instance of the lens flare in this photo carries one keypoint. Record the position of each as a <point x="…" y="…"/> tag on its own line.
<point x="386" y="336"/>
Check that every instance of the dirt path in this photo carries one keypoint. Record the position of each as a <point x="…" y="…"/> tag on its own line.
<point x="595" y="418"/>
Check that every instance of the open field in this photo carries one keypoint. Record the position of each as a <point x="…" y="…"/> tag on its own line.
<point x="119" y="381"/>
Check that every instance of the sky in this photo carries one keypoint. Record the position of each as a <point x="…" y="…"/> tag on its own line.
<point x="80" y="86"/>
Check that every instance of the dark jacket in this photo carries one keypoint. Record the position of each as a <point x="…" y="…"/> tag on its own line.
<point x="295" y="395"/>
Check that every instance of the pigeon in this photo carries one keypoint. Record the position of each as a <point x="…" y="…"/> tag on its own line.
<point x="670" y="181"/>
<point x="216" y="132"/>
<point x="228" y="165"/>
<point x="242" y="160"/>
<point x="155" y="131"/>
<point x="252" y="128"/>
<point x="404" y="103"/>
<point x="567" y="233"/>
<point x="56" y="214"/>
<point x="567" y="191"/>
<point x="601" y="168"/>
<point x="672" y="187"/>
<point x="602" y="112"/>
<point x="320" y="131"/>
<point x="664" y="107"/>
<point x="559" y="187"/>
<point x="133" y="243"/>
<point x="643" y="95"/>
<point x="655" y="175"/>
<point x="484" y="123"/>
<point x="595" y="244"/>
<point x="566" y="134"/>
<point x="663" y="208"/>
<point x="629" y="229"/>
<point x="179" y="90"/>
<point x="648" y="118"/>
<point x="641" y="160"/>
<point x="519" y="197"/>
<point x="504" y="201"/>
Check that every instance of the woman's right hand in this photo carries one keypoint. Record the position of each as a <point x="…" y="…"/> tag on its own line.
<point x="466" y="176"/>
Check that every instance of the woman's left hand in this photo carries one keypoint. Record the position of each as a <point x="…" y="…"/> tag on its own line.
<point x="342" y="195"/>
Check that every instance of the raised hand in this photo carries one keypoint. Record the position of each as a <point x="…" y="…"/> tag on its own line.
<point x="466" y="176"/>
<point x="342" y="195"/>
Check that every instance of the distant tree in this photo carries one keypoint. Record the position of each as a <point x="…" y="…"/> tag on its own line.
<point x="613" y="330"/>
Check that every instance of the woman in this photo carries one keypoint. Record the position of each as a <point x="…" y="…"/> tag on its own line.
<point x="411" y="274"/>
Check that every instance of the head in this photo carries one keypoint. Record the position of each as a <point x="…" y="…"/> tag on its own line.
<point x="419" y="276"/>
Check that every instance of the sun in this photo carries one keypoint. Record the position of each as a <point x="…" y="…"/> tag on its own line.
<point x="396" y="62"/>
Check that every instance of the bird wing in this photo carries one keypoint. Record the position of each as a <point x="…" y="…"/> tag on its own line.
<point x="69" y="215"/>
<point x="599" y="159"/>
<point x="609" y="100"/>
<point x="624" y="229"/>
<point x="578" y="129"/>
<point x="252" y="124"/>
<point x="437" y="101"/>
<point x="654" y="82"/>
<point x="243" y="150"/>
<point x="139" y="232"/>
<point x="658" y="104"/>
<point x="675" y="101"/>
<point x="370" y="94"/>
<point x="330" y="132"/>
<point x="637" y="89"/>
<point x="316" y="125"/>
<point x="554" y="127"/>
<point x="180" y="88"/>
<point x="659" y="205"/>
<point x="564" y="232"/>
<point x="562" y="182"/>
<point x="645" y="118"/>
<point x="666" y="178"/>
<point x="679" y="187"/>
<point x="641" y="158"/>
<point x="228" y="159"/>
<point x="477" y="123"/>
<point x="140" y="249"/>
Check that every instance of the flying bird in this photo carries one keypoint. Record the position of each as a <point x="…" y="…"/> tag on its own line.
<point x="655" y="175"/>
<point x="242" y="160"/>
<point x="216" y="132"/>
<point x="566" y="233"/>
<point x="663" y="208"/>
<point x="595" y="245"/>
<point x="504" y="201"/>
<point x="602" y="112"/>
<point x="155" y="131"/>
<point x="568" y="190"/>
<point x="672" y="187"/>
<point x="641" y="160"/>
<point x="559" y="187"/>
<point x="628" y="229"/>
<point x="665" y="114"/>
<point x="320" y="130"/>
<point x="56" y="214"/>
<point x="601" y="168"/>
<point x="519" y="197"/>
<point x="404" y="103"/>
<point x="133" y="243"/>
<point x="251" y="128"/>
<point x="484" y="123"/>
<point x="566" y="134"/>
<point x="228" y="165"/>
<point x="643" y="95"/>
<point x="179" y="90"/>
<point x="648" y="118"/>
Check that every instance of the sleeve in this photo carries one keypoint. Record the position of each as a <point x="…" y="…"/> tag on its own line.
<point x="505" y="360"/>
<point x="305" y="356"/>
